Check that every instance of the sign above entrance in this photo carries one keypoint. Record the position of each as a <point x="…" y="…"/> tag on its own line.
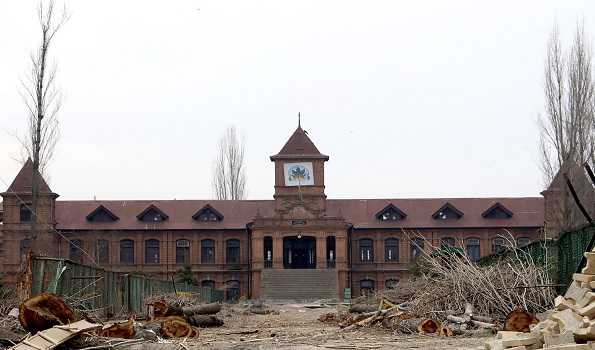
<point x="298" y="174"/>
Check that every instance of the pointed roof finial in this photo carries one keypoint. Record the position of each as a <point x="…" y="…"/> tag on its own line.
<point x="299" y="120"/>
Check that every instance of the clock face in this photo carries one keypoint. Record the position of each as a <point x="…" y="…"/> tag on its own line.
<point x="298" y="174"/>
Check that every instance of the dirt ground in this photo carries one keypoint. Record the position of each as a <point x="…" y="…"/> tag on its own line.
<point x="297" y="327"/>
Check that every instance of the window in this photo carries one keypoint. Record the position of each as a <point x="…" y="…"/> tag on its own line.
<point x="102" y="253"/>
<point x="391" y="249"/>
<point x="75" y="250"/>
<point x="331" y="254"/>
<point x="268" y="248"/>
<point x="447" y="242"/>
<point x="152" y="251"/>
<point x="207" y="255"/>
<point x="101" y="214"/>
<point x="366" y="250"/>
<point x="497" y="245"/>
<point x="447" y="212"/>
<point x="472" y="248"/>
<point x="391" y="213"/>
<point x="366" y="287"/>
<point x="182" y="251"/>
<point x="25" y="213"/>
<point x="232" y="290"/>
<point x="232" y="255"/>
<point x="391" y="283"/>
<point x="523" y="241"/>
<point x="208" y="284"/>
<point x="127" y="251"/>
<point x="417" y="247"/>
<point x="152" y="214"/>
<point x="208" y="213"/>
<point x="25" y="246"/>
<point x="497" y="211"/>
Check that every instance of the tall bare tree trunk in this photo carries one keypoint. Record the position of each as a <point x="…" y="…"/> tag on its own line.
<point x="43" y="100"/>
<point x="229" y="172"/>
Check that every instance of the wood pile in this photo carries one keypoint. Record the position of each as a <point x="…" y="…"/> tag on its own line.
<point x="570" y="325"/>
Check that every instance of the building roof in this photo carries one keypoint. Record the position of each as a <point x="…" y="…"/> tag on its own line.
<point x="23" y="181"/>
<point x="528" y="212"/>
<point x="299" y="145"/>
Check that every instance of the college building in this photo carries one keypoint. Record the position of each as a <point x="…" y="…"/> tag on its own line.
<point x="299" y="245"/>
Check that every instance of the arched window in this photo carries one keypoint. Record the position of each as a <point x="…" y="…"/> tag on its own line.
<point x="391" y="283"/>
<point x="523" y="241"/>
<point x="472" y="248"/>
<point x="102" y="254"/>
<point x="182" y="251"/>
<point x="447" y="242"/>
<point x="366" y="287"/>
<point x="152" y="251"/>
<point x="417" y="247"/>
<point x="75" y="250"/>
<point x="497" y="245"/>
<point x="207" y="250"/>
<point x="25" y="213"/>
<point x="127" y="251"/>
<point x="208" y="284"/>
<point x="391" y="249"/>
<point x="366" y="250"/>
<point x="232" y="255"/>
<point x="232" y="290"/>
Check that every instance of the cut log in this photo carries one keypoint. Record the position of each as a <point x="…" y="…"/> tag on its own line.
<point x="207" y="309"/>
<point x="456" y="319"/>
<point x="205" y="321"/>
<point x="123" y="330"/>
<point x="407" y="326"/>
<point x="519" y="320"/>
<point x="428" y="326"/>
<point x="44" y="311"/>
<point x="177" y="327"/>
<point x="480" y="318"/>
<point x="362" y="308"/>
<point x="483" y="324"/>
<point x="445" y="331"/>
<point x="163" y="309"/>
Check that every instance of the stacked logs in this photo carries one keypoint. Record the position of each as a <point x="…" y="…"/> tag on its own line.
<point x="177" y="322"/>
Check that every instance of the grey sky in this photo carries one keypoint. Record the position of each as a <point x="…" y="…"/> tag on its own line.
<point x="409" y="99"/>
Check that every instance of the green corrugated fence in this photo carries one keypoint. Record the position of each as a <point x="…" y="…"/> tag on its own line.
<point x="93" y="288"/>
<point x="563" y="254"/>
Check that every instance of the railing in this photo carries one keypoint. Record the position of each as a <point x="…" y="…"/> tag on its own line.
<point x="268" y="264"/>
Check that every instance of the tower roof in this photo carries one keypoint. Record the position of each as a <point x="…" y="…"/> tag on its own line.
<point x="24" y="180"/>
<point x="299" y="145"/>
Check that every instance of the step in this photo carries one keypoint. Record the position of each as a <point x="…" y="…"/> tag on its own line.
<point x="298" y="284"/>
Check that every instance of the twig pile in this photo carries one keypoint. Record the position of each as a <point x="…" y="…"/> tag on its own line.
<point x="449" y="280"/>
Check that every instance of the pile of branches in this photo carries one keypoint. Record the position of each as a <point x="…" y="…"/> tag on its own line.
<point x="448" y="280"/>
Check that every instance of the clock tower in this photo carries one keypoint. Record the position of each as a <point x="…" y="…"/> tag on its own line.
<point x="299" y="175"/>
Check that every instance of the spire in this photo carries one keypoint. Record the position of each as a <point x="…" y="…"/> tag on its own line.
<point x="23" y="181"/>
<point x="299" y="120"/>
<point x="299" y="145"/>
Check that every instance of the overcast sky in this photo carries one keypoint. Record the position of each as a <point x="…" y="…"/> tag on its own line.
<point x="408" y="98"/>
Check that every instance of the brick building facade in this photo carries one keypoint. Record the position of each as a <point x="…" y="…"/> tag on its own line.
<point x="246" y="247"/>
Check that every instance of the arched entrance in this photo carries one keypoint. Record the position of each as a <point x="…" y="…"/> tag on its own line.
<point x="299" y="252"/>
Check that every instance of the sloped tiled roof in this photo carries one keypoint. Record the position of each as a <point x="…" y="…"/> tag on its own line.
<point x="23" y="181"/>
<point x="528" y="212"/>
<point x="299" y="144"/>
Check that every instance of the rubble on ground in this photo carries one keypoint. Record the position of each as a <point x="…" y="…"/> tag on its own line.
<point x="570" y="325"/>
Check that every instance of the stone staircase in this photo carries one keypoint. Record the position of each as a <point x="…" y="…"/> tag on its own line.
<point x="299" y="284"/>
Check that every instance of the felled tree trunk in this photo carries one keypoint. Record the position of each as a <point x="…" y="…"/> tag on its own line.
<point x="163" y="309"/>
<point x="362" y="308"/>
<point x="44" y="311"/>
<point x="205" y="321"/>
<point x="428" y="326"/>
<point x="123" y="330"/>
<point x="207" y="309"/>
<point x="519" y="320"/>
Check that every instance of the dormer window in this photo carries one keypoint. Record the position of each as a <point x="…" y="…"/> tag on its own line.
<point x="447" y="212"/>
<point x="208" y="214"/>
<point x="102" y="214"/>
<point x="25" y="213"/>
<point x="497" y="211"/>
<point x="391" y="213"/>
<point x="152" y="214"/>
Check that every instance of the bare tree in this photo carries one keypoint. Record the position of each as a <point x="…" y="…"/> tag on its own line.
<point x="42" y="98"/>
<point x="229" y="171"/>
<point x="567" y="131"/>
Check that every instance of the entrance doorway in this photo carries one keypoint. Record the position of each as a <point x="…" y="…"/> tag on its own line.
<point x="299" y="252"/>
